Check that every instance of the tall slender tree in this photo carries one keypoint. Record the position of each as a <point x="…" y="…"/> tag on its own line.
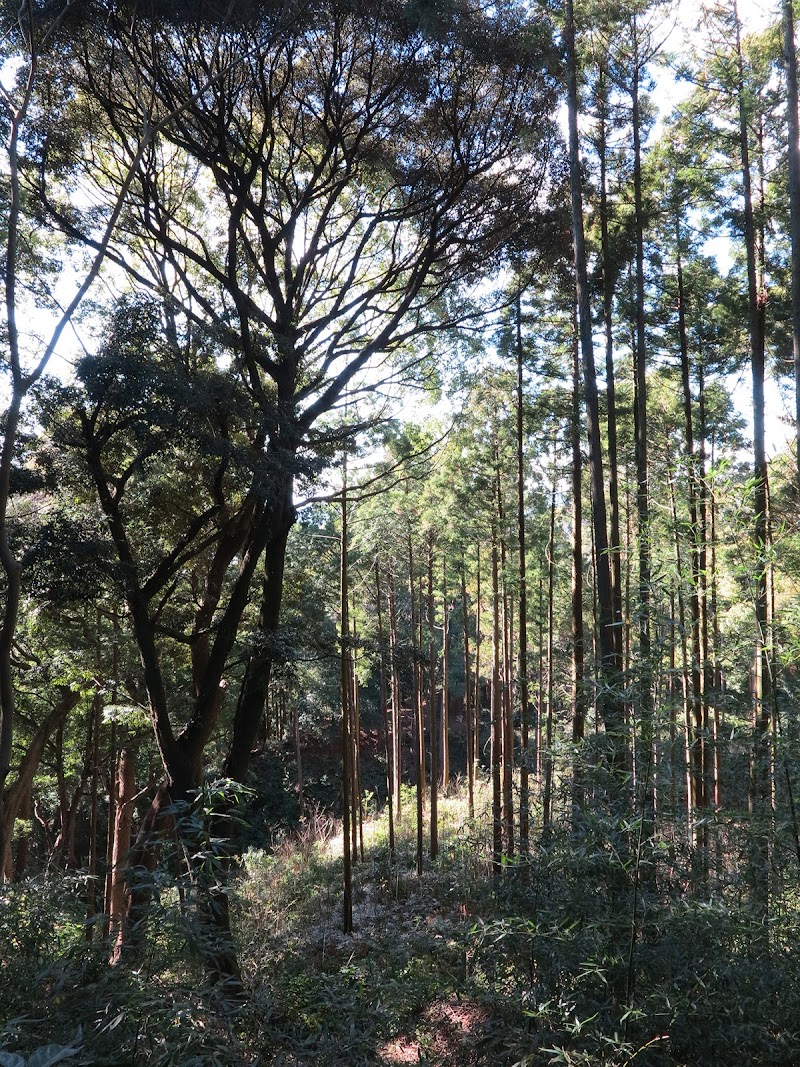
<point x="609" y="695"/>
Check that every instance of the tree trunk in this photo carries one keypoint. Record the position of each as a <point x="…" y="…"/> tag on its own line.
<point x="547" y="796"/>
<point x="497" y="711"/>
<point x="29" y="764"/>
<point x="298" y="757"/>
<point x="468" y="715"/>
<point x="65" y="848"/>
<point x="524" y="786"/>
<point x="13" y="578"/>
<point x="346" y="691"/>
<point x="433" y="724"/>
<point x="690" y="749"/>
<point x="698" y="700"/>
<point x="250" y="707"/>
<point x="419" y="724"/>
<point x="445" y="723"/>
<point x="358" y="792"/>
<point x="716" y="636"/>
<point x="793" y="152"/>
<point x="122" y="830"/>
<point x="762" y="698"/>
<point x="385" y="710"/>
<point x="506" y="702"/>
<point x="640" y="414"/>
<point x="478" y="635"/>
<point x="394" y="668"/>
<point x="609" y="695"/>
<point x="143" y="858"/>
<point x="94" y="840"/>
<point x="615" y="542"/>
<point x="578" y="683"/>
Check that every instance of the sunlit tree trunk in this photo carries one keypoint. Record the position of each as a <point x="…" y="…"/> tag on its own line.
<point x="578" y="683"/>
<point x="385" y="710"/>
<point x="123" y="825"/>
<point x="394" y="668"/>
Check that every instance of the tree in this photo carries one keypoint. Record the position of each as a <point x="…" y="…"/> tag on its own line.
<point x="610" y="663"/>
<point x="793" y="154"/>
<point x="28" y="46"/>
<point x="354" y="168"/>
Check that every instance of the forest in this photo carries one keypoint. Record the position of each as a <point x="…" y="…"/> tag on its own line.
<point x="399" y="533"/>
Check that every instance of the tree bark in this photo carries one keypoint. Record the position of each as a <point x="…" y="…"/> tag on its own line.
<point x="346" y="696"/>
<point x="394" y="668"/>
<point x="122" y="831"/>
<point x="793" y="152"/>
<point x="445" y="723"/>
<point x="615" y="541"/>
<point x="15" y="793"/>
<point x="762" y="697"/>
<point x="385" y="711"/>
<point x="94" y="841"/>
<point x="419" y="722"/>
<point x="698" y="706"/>
<point x="476" y="749"/>
<point x="578" y="681"/>
<point x="506" y="701"/>
<point x="469" y="720"/>
<point x="433" y="723"/>
<point x="497" y="713"/>
<point x="640" y="412"/>
<point x="524" y="786"/>
<point x="547" y="794"/>
<point x="689" y="748"/>
<point x="609" y="687"/>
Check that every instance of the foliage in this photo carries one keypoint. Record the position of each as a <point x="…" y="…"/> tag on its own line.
<point x="44" y="1056"/>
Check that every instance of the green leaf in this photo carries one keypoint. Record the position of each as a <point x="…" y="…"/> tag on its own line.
<point x="50" y="1054"/>
<point x="11" y="1059"/>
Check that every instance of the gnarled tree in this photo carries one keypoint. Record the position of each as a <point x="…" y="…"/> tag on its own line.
<point x="327" y="182"/>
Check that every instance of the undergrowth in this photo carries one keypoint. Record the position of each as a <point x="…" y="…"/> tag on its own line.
<point x="589" y="950"/>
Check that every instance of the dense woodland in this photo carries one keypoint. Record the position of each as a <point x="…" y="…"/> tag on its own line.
<point x="398" y="648"/>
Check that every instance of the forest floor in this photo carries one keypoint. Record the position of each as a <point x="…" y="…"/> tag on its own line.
<point x="593" y="951"/>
